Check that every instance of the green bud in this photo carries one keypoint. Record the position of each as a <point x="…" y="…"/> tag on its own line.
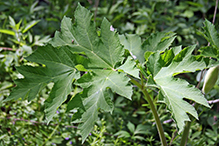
<point x="210" y="79"/>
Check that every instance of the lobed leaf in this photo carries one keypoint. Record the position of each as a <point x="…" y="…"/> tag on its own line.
<point x="103" y="55"/>
<point x="59" y="68"/>
<point x="103" y="52"/>
<point x="97" y="96"/>
<point x="173" y="90"/>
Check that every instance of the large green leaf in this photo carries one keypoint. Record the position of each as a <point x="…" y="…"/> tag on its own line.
<point x="174" y="90"/>
<point x="104" y="53"/>
<point x="59" y="68"/>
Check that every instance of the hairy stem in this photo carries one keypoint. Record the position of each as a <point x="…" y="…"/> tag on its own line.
<point x="153" y="109"/>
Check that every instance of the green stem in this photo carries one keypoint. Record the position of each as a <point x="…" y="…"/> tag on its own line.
<point x="185" y="134"/>
<point x="50" y="136"/>
<point x="186" y="130"/>
<point x="154" y="111"/>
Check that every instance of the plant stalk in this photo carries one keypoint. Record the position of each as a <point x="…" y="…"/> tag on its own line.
<point x="186" y="129"/>
<point x="185" y="133"/>
<point x="154" y="111"/>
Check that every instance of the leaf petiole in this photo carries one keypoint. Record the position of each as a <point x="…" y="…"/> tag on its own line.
<point x="153" y="109"/>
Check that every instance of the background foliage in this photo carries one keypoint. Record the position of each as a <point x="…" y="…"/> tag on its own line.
<point x="27" y="24"/>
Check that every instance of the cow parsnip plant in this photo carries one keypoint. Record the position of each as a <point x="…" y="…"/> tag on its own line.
<point x="101" y="56"/>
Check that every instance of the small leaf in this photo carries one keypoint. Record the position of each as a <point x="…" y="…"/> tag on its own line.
<point x="159" y="42"/>
<point x="209" y="51"/>
<point x="139" y="137"/>
<point x="9" y="32"/>
<point x="210" y="34"/>
<point x="12" y="23"/>
<point x="132" y="43"/>
<point x="131" y="127"/>
<point x="142" y="129"/>
<point x="129" y="67"/>
<point x="122" y="133"/>
<point x="76" y="102"/>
